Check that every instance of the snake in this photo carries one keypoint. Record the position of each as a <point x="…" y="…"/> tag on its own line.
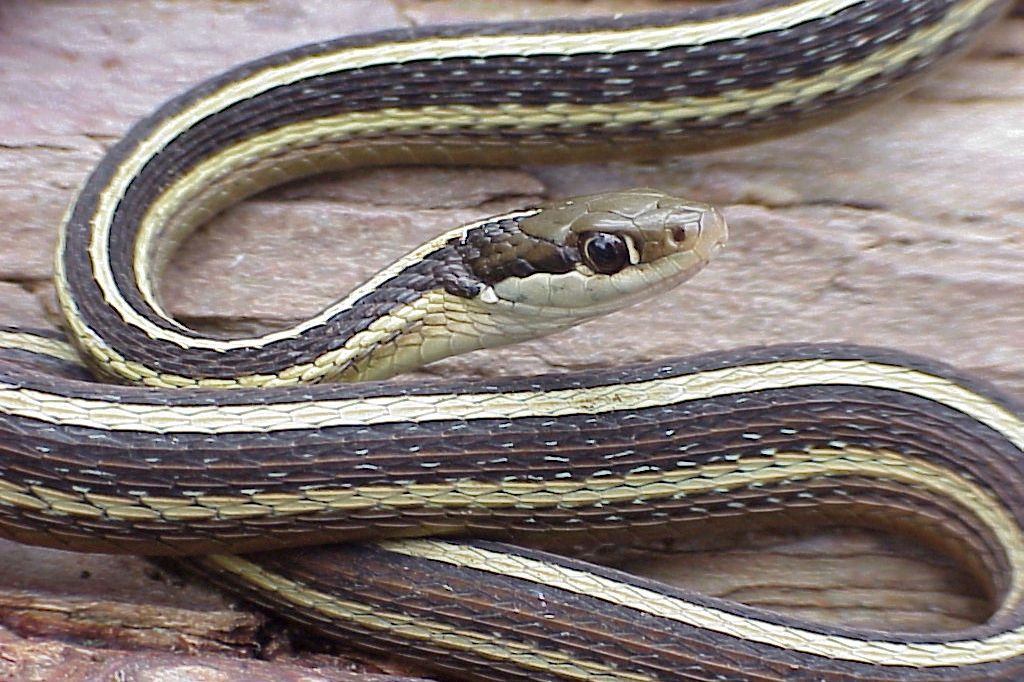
<point x="464" y="508"/>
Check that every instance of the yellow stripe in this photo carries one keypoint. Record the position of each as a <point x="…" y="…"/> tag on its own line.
<point x="420" y="628"/>
<point x="267" y="417"/>
<point x="941" y="481"/>
<point x="41" y="345"/>
<point x="1001" y="647"/>
<point x="661" y="114"/>
<point x="562" y="493"/>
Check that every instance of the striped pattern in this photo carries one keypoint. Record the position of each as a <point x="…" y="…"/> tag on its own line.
<point x="668" y="82"/>
<point x="923" y="450"/>
<point x="778" y="435"/>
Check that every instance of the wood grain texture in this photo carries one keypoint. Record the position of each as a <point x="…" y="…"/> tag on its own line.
<point x="27" y="659"/>
<point x="903" y="226"/>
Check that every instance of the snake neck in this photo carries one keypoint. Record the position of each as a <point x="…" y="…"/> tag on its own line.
<point x="572" y="90"/>
<point x="424" y="307"/>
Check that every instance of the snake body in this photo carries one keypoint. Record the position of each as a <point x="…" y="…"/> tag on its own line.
<point x="256" y="458"/>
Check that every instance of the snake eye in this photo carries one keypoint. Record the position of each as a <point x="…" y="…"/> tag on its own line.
<point x="604" y="253"/>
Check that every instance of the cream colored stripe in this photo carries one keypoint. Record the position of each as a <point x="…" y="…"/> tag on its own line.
<point x="414" y="256"/>
<point x="537" y="495"/>
<point x="405" y="121"/>
<point x="567" y="493"/>
<point x="999" y="647"/>
<point x="126" y="416"/>
<point x="639" y="39"/>
<point x="943" y="482"/>
<point x="419" y="628"/>
<point x="42" y="345"/>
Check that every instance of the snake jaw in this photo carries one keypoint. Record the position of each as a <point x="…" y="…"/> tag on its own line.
<point x="647" y="241"/>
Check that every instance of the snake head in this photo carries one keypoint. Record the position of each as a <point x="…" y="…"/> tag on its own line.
<point x="591" y="255"/>
<point x="526" y="274"/>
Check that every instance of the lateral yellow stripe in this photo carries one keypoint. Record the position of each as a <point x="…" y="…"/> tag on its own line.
<point x="348" y="126"/>
<point x="1004" y="646"/>
<point x="420" y="628"/>
<point x="467" y="493"/>
<point x="615" y="40"/>
<point x="1001" y="647"/>
<point x="267" y="417"/>
<point x="41" y="345"/>
<point x="568" y="493"/>
<point x="944" y="482"/>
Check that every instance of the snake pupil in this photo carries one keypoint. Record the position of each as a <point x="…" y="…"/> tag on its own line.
<point x="605" y="253"/>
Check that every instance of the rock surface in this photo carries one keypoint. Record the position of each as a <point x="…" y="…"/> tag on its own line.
<point x="902" y="226"/>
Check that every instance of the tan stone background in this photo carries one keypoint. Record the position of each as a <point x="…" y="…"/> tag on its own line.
<point x="903" y="226"/>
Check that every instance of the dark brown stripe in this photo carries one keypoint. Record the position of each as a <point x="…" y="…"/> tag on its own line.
<point x="608" y="376"/>
<point x="800" y="51"/>
<point x="526" y="449"/>
<point x="586" y="628"/>
<point x="611" y="444"/>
